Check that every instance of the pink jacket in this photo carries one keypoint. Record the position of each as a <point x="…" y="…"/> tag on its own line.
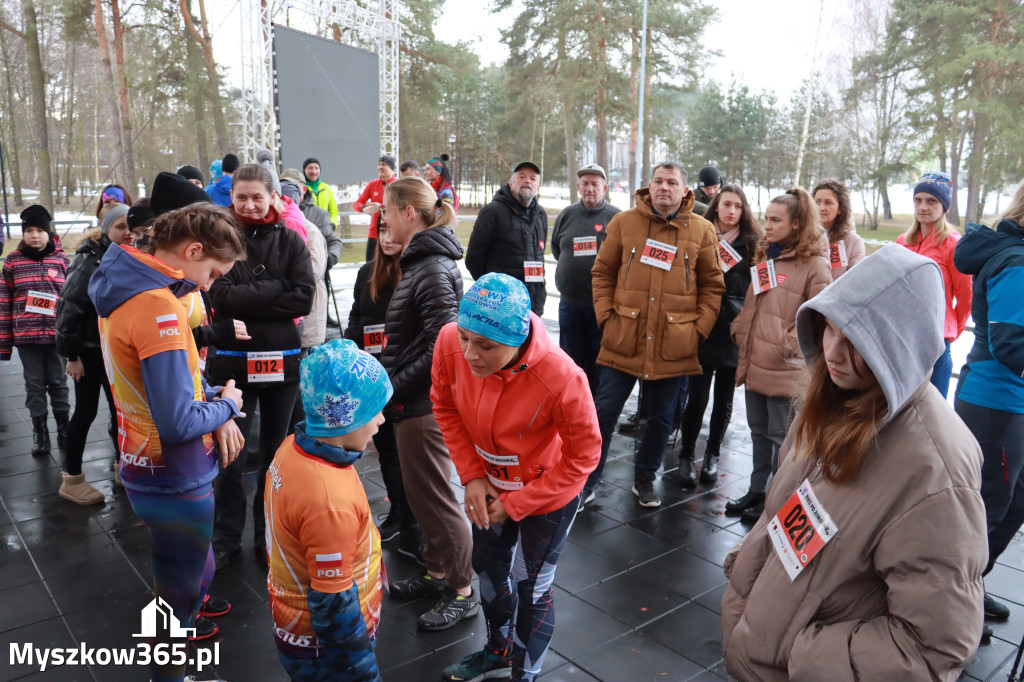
<point x="958" y="285"/>
<point x="293" y="218"/>
<point x="532" y="430"/>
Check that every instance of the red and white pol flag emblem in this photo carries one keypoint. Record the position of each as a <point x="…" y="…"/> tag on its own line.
<point x="165" y="321"/>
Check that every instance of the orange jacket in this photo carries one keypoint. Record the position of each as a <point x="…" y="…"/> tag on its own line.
<point x="958" y="285"/>
<point x="531" y="430"/>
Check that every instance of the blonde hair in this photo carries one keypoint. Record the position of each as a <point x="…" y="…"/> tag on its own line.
<point x="942" y="230"/>
<point x="1016" y="210"/>
<point x="416" y="192"/>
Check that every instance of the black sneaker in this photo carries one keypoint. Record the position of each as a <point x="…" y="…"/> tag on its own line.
<point x="214" y="606"/>
<point x="389" y="527"/>
<point x="449" y="611"/>
<point x="410" y="544"/>
<point x="633" y="424"/>
<point x="205" y="629"/>
<point x="420" y="586"/>
<point x="995" y="610"/>
<point x="643" y="488"/>
<point x="487" y="664"/>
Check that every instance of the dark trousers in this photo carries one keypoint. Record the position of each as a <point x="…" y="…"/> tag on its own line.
<point x="371" y="248"/>
<point x="643" y="406"/>
<point x="391" y="472"/>
<point x="87" y="402"/>
<point x="276" y="402"/>
<point x="44" y="373"/>
<point x="580" y="338"/>
<point x="697" y="402"/>
<point x="516" y="564"/>
<point x="769" y="418"/>
<point x="1001" y="437"/>
<point x="613" y="390"/>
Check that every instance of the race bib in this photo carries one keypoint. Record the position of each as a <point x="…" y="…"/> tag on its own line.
<point x="534" y="270"/>
<point x="502" y="472"/>
<point x="800" y="530"/>
<point x="762" y="277"/>
<point x="373" y="338"/>
<point x="837" y="255"/>
<point x="728" y="255"/>
<point x="584" y="246"/>
<point x="41" y="303"/>
<point x="658" y="254"/>
<point x="265" y="366"/>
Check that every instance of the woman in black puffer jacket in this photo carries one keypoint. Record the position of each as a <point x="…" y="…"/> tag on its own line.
<point x="426" y="299"/>
<point x="78" y="339"/>
<point x="268" y="291"/>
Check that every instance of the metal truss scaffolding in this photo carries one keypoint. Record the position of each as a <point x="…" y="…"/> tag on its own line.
<point x="380" y="28"/>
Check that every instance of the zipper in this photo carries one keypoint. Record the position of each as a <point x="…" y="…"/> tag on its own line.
<point x="531" y="421"/>
<point x="630" y="261"/>
<point x="686" y="264"/>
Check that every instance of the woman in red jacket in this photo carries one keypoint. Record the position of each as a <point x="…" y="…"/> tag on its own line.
<point x="518" y="418"/>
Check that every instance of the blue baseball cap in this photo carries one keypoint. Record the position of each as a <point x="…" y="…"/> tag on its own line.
<point x="343" y="388"/>
<point x="497" y="307"/>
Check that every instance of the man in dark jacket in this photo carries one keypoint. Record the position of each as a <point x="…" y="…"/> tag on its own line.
<point x="510" y="234"/>
<point x="709" y="182"/>
<point x="578" y="234"/>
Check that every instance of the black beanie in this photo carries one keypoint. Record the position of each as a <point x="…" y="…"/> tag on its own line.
<point x="389" y="160"/>
<point x="139" y="215"/>
<point x="190" y="173"/>
<point x="229" y="164"/>
<point x="709" y="177"/>
<point x="36" y="216"/>
<point x="307" y="162"/>
<point x="171" y="191"/>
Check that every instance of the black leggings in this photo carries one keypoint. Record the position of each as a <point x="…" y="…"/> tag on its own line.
<point x="697" y="402"/>
<point x="87" y="401"/>
<point x="391" y="472"/>
<point x="276" y="401"/>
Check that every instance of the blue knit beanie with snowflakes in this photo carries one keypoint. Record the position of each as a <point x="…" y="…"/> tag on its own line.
<point x="939" y="185"/>
<point x="343" y="388"/>
<point x="497" y="306"/>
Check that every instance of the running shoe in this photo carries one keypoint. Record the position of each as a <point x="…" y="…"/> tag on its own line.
<point x="205" y="629"/>
<point x="420" y="586"/>
<point x="489" y="664"/>
<point x="389" y="527"/>
<point x="214" y="606"/>
<point x="643" y="488"/>
<point x="585" y="499"/>
<point x="449" y="611"/>
<point x="995" y="610"/>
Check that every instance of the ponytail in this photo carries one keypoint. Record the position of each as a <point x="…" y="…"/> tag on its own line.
<point x="803" y="212"/>
<point x="416" y="192"/>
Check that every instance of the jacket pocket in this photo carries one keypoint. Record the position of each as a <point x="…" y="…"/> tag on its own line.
<point x="621" y="331"/>
<point x="679" y="336"/>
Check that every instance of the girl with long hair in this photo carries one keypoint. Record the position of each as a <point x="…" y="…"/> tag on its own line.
<point x="845" y="246"/>
<point x="874" y="516"/>
<point x="268" y="291"/>
<point x="931" y="235"/>
<point x="171" y="424"/>
<point x="738" y="236"/>
<point x="425" y="300"/>
<point x="990" y="394"/>
<point x="791" y="268"/>
<point x="375" y="284"/>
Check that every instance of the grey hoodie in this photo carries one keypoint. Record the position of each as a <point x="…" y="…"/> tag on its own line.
<point x="892" y="308"/>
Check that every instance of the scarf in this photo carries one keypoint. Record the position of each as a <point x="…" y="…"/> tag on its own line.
<point x="729" y="236"/>
<point x="272" y="218"/>
<point x="37" y="254"/>
<point x="775" y="250"/>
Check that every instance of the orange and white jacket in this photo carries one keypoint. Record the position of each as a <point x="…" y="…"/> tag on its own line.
<point x="531" y="430"/>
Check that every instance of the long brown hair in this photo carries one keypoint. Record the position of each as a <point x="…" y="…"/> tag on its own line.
<point x="209" y="224"/>
<point x="835" y="424"/>
<point x="804" y="212"/>
<point x="844" y="218"/>
<point x="386" y="269"/>
<point x="750" y="231"/>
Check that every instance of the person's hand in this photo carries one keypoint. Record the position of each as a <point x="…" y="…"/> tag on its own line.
<point x="241" y="334"/>
<point x="75" y="369"/>
<point x="332" y="260"/>
<point x="229" y="440"/>
<point x="496" y="512"/>
<point x="479" y="492"/>
<point x="372" y="207"/>
<point x="229" y="392"/>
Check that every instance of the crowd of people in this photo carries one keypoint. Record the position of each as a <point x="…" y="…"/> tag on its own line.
<point x="205" y="303"/>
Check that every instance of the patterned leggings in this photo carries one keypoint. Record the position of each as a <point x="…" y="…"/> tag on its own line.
<point x="180" y="526"/>
<point x="525" y="552"/>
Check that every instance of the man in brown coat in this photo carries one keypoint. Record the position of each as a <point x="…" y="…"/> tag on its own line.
<point x="658" y="286"/>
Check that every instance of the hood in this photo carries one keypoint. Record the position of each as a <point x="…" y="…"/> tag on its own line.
<point x="504" y="196"/>
<point x="980" y="244"/>
<point x="94" y="245"/>
<point x="540" y="346"/>
<point x="643" y="204"/>
<point x="892" y="308"/>
<point x="126" y="272"/>
<point x="437" y="240"/>
<point x="331" y="454"/>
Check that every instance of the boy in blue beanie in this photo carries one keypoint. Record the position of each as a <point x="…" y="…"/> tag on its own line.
<point x="323" y="549"/>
